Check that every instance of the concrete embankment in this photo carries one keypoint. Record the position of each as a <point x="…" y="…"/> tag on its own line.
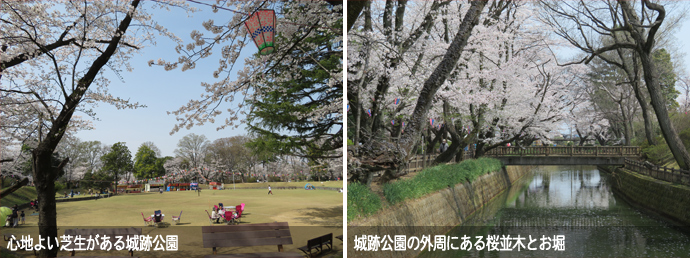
<point x="436" y="213"/>
<point x="664" y="199"/>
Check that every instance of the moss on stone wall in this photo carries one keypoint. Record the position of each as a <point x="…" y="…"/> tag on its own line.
<point x="671" y="201"/>
<point x="436" y="213"/>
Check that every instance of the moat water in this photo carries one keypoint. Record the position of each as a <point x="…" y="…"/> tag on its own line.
<point x="573" y="209"/>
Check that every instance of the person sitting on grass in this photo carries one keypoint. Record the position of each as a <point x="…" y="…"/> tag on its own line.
<point x="221" y="214"/>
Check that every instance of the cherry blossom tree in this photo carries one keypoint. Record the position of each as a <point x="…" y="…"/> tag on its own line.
<point x="510" y="89"/>
<point x="506" y="86"/>
<point x="399" y="37"/>
<point x="52" y="61"/>
<point x="577" y="22"/>
<point x="292" y="97"/>
<point x="587" y="120"/>
<point x="192" y="148"/>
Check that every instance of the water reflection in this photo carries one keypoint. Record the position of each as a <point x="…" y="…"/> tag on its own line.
<point x="576" y="202"/>
<point x="571" y="188"/>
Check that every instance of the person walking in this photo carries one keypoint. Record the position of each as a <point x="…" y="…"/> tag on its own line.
<point x="22" y="216"/>
<point x="15" y="216"/>
<point x="269" y="190"/>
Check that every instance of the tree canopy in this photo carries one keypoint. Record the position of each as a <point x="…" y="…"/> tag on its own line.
<point x="118" y="161"/>
<point x="306" y="68"/>
<point x="146" y="164"/>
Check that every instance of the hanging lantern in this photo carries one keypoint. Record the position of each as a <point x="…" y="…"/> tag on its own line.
<point x="261" y="25"/>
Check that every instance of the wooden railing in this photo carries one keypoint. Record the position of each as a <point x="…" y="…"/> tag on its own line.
<point x="419" y="162"/>
<point x="672" y="175"/>
<point x="590" y="151"/>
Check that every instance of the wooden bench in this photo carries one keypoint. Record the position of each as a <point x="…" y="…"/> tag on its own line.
<point x="340" y="237"/>
<point x="317" y="244"/>
<point x="113" y="233"/>
<point x="277" y="233"/>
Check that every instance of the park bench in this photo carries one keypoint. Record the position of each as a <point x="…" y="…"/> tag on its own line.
<point x="340" y="237"/>
<point x="277" y="233"/>
<point x="317" y="244"/>
<point x="113" y="233"/>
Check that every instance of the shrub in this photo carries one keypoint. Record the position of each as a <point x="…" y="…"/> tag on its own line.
<point x="361" y="201"/>
<point x="59" y="186"/>
<point x="437" y="178"/>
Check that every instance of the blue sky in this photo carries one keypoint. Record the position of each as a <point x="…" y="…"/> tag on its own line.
<point x="161" y="90"/>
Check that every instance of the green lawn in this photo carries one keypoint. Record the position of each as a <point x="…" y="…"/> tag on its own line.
<point x="309" y="213"/>
<point x="27" y="192"/>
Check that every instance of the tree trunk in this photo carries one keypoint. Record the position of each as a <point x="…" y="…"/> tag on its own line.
<point x="457" y="142"/>
<point x="44" y="180"/>
<point x="387" y="155"/>
<point x="601" y="140"/>
<point x="354" y="8"/>
<point x="43" y="171"/>
<point x="651" y="77"/>
<point x="438" y="77"/>
<point x="648" y="128"/>
<point x="659" y="104"/>
<point x="626" y="125"/>
<point x="13" y="188"/>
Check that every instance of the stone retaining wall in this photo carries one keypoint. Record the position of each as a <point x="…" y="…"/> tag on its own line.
<point x="667" y="200"/>
<point x="436" y="213"/>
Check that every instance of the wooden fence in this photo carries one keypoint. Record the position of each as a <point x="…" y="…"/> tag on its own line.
<point x="672" y="175"/>
<point x="419" y="162"/>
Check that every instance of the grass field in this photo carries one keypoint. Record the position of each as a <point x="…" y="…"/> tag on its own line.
<point x="19" y="196"/>
<point x="24" y="195"/>
<point x="309" y="214"/>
